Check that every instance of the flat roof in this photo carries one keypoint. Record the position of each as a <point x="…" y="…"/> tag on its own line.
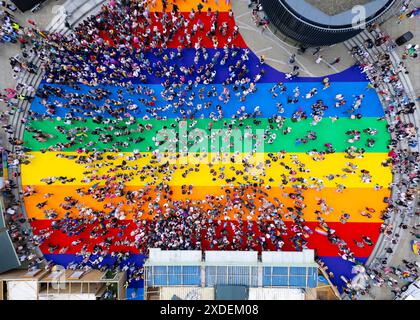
<point x="159" y="257"/>
<point x="88" y="276"/>
<point x="9" y="259"/>
<point x="48" y="276"/>
<point x="333" y="7"/>
<point x="288" y="257"/>
<point x="312" y="11"/>
<point x="235" y="257"/>
<point x="21" y="274"/>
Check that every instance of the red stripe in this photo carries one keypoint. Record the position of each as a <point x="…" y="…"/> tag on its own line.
<point x="175" y="40"/>
<point x="316" y="241"/>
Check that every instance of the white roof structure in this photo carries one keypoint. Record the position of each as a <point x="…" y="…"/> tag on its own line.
<point x="158" y="256"/>
<point x="276" y="294"/>
<point x="288" y="257"/>
<point x="231" y="257"/>
<point x="194" y="257"/>
<point x="412" y="292"/>
<point x="186" y="293"/>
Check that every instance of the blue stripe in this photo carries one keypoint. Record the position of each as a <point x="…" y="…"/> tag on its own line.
<point x="340" y="267"/>
<point x="371" y="106"/>
<point x="135" y="293"/>
<point x="353" y="74"/>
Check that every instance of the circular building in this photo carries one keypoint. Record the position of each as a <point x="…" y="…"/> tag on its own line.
<point x="324" y="22"/>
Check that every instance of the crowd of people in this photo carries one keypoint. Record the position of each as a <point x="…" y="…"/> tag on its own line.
<point x="98" y="53"/>
<point x="407" y="11"/>
<point x="404" y="154"/>
<point x="10" y="30"/>
<point x="19" y="229"/>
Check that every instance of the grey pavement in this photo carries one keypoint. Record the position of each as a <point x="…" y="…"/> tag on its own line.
<point x="395" y="30"/>
<point x="277" y="49"/>
<point x="333" y="7"/>
<point x="42" y="18"/>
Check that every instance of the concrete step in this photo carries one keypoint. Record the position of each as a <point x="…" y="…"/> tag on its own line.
<point x="359" y="41"/>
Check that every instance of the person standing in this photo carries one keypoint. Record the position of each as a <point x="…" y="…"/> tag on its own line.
<point x="319" y="59"/>
<point x="337" y="60"/>
<point x="292" y="59"/>
<point x="264" y="27"/>
<point x="67" y="24"/>
<point x="316" y="51"/>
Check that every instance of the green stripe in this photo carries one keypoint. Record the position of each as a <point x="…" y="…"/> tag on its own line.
<point x="334" y="133"/>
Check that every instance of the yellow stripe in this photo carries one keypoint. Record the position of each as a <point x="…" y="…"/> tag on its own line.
<point x="48" y="165"/>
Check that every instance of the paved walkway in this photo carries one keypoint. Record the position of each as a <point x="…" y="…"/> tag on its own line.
<point x="277" y="50"/>
<point x="42" y="18"/>
<point x="395" y="30"/>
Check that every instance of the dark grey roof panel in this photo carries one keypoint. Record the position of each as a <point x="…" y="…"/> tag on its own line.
<point x="8" y="257"/>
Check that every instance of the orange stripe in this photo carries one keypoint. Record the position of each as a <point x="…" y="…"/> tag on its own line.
<point x="352" y="201"/>
<point x="187" y="5"/>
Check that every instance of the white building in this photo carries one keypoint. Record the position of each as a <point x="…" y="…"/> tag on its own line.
<point x="238" y="275"/>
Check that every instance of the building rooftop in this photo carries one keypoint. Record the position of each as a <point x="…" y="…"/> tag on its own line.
<point x="66" y="275"/>
<point x="333" y="7"/>
<point x="335" y="12"/>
